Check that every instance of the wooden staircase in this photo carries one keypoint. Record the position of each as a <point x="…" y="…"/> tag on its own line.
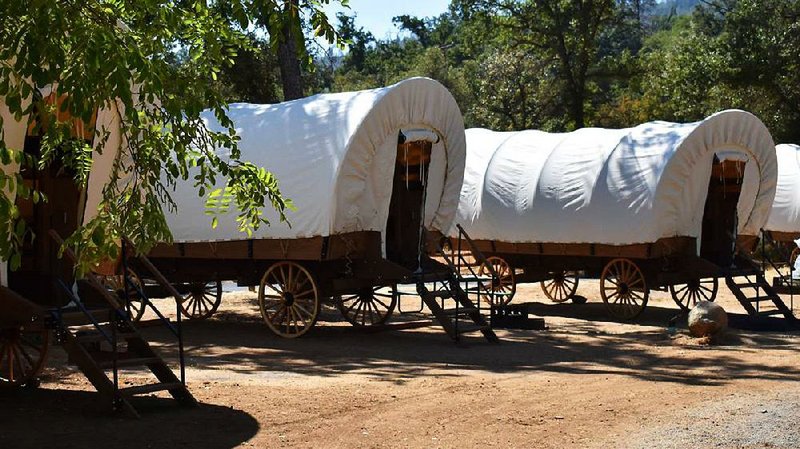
<point x="102" y="340"/>
<point x="446" y="287"/>
<point x="757" y="296"/>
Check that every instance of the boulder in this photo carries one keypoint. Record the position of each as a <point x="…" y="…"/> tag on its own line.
<point x="707" y="319"/>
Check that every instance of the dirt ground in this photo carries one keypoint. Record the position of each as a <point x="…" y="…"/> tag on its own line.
<point x="586" y="381"/>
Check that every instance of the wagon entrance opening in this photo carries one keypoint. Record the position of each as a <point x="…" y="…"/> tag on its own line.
<point x="407" y="206"/>
<point x="720" y="218"/>
<point x="40" y="266"/>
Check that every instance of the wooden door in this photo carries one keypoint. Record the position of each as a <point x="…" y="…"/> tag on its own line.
<point x="720" y="217"/>
<point x="37" y="278"/>
<point x="406" y="210"/>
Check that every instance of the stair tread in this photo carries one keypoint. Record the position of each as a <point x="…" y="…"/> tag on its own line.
<point x="768" y="295"/>
<point x="131" y="361"/>
<point x="437" y="294"/>
<point x="97" y="336"/>
<point x="149" y="323"/>
<point x="749" y="285"/>
<point x="771" y="312"/>
<point x="432" y="276"/>
<point x="79" y="318"/>
<point x="460" y="311"/>
<point x="761" y="299"/>
<point x="150" y="388"/>
<point x="469" y="328"/>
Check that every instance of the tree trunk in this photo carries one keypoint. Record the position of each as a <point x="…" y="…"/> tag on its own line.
<point x="288" y="54"/>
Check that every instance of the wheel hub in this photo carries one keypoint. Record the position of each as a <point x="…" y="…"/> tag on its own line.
<point x="694" y="284"/>
<point x="623" y="288"/>
<point x="289" y="298"/>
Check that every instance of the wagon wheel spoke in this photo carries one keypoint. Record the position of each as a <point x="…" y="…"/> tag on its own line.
<point x="557" y="289"/>
<point x="623" y="288"/>
<point x="369" y="306"/>
<point x="289" y="299"/>
<point x="303" y="311"/>
<point x="383" y="304"/>
<point x="501" y="288"/>
<point x="22" y="356"/>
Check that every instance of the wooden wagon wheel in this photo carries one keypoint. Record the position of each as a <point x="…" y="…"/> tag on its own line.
<point x="504" y="287"/>
<point x="116" y="283"/>
<point x="624" y="289"/>
<point x="561" y="287"/>
<point x="696" y="290"/>
<point x="22" y="355"/>
<point x="289" y="299"/>
<point x="202" y="300"/>
<point x="369" y="307"/>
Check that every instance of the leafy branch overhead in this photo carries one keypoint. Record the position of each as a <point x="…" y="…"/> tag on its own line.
<point x="154" y="65"/>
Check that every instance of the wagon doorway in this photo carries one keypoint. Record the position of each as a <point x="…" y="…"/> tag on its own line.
<point x="720" y="217"/>
<point x="407" y="207"/>
<point x="40" y="269"/>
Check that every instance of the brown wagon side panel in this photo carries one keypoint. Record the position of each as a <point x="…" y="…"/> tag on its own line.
<point x="669" y="246"/>
<point x="356" y="245"/>
<point x="784" y="236"/>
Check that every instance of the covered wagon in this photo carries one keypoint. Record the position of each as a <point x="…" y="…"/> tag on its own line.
<point x="369" y="173"/>
<point x="784" y="218"/>
<point x="783" y="224"/>
<point x="660" y="205"/>
<point x="39" y="299"/>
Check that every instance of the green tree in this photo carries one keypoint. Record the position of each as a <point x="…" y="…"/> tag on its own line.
<point x="157" y="60"/>
<point x="567" y="32"/>
<point x="760" y="44"/>
<point x="253" y="77"/>
<point x="284" y="21"/>
<point x="515" y="92"/>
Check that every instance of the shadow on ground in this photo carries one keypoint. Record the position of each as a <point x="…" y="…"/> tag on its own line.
<point x="655" y="316"/>
<point x="62" y="416"/>
<point x="241" y="343"/>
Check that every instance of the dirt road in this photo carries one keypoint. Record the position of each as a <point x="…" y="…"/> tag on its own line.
<point x="586" y="381"/>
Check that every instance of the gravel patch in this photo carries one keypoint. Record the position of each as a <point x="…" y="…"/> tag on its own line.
<point x="743" y="420"/>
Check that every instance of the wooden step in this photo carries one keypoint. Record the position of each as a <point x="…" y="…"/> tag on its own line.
<point x="475" y="279"/>
<point x="102" y="316"/>
<point x="460" y="311"/>
<point x="128" y="362"/>
<point x="151" y="388"/>
<point x="155" y="322"/>
<point x="760" y="299"/>
<point x="443" y="294"/>
<point x="432" y="277"/>
<point x="470" y="328"/>
<point x="771" y="312"/>
<point x="97" y="336"/>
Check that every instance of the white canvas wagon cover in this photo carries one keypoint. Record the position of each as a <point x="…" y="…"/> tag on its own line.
<point x="608" y="186"/>
<point x="785" y="215"/>
<point x="334" y="157"/>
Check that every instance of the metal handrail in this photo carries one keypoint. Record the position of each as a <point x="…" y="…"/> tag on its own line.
<point x="455" y="266"/>
<point x="176" y="330"/>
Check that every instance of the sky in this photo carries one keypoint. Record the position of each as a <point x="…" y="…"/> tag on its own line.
<point x="376" y="15"/>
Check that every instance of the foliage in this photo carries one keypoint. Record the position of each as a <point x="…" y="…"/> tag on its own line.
<point x="561" y="64"/>
<point x="157" y="64"/>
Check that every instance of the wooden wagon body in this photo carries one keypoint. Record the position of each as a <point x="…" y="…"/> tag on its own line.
<point x="782" y="230"/>
<point x="370" y="174"/>
<point x="660" y="206"/>
<point x="37" y="300"/>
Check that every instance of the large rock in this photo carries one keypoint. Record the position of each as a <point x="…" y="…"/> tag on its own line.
<point x="707" y="319"/>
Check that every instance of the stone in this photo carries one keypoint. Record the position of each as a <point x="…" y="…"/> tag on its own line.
<point x="707" y="319"/>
